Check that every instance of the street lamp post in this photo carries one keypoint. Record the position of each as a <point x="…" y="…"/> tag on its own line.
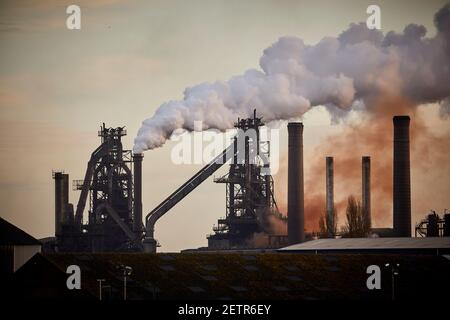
<point x="100" y="288"/>
<point x="394" y="272"/>
<point x="127" y="270"/>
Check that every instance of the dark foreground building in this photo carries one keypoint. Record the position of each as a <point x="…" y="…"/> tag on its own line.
<point x="16" y="247"/>
<point x="274" y="276"/>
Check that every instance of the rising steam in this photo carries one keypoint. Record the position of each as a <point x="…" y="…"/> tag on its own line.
<point x="336" y="72"/>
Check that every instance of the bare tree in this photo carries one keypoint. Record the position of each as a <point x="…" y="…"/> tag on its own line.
<point x="357" y="225"/>
<point x="328" y="225"/>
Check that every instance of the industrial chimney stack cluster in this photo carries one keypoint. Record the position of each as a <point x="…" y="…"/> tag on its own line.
<point x="115" y="218"/>
<point x="401" y="179"/>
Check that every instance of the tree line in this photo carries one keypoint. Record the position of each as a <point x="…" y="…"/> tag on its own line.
<point x="357" y="223"/>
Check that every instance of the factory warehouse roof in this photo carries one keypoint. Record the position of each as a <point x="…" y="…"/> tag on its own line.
<point x="11" y="235"/>
<point x="230" y="276"/>
<point x="374" y="245"/>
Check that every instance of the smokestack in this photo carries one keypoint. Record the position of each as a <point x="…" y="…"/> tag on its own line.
<point x="402" y="178"/>
<point x="58" y="202"/>
<point x="137" y="205"/>
<point x="330" y="191"/>
<point x="61" y="200"/>
<point x="366" y="189"/>
<point x="296" y="231"/>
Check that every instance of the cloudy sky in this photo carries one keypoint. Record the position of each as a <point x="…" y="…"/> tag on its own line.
<point x="57" y="86"/>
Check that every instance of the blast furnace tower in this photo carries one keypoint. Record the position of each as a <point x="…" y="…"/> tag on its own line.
<point x="249" y="190"/>
<point x="114" y="219"/>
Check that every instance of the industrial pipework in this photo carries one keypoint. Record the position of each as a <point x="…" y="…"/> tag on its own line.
<point x="149" y="243"/>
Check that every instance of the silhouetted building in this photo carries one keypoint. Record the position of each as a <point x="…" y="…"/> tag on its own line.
<point x="16" y="247"/>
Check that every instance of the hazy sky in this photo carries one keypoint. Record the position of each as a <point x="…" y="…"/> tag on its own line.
<point x="57" y="86"/>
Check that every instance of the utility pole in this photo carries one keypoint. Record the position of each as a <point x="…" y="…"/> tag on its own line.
<point x="124" y="287"/>
<point x="100" y="288"/>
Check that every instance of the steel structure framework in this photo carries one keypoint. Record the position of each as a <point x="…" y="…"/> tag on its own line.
<point x="434" y="226"/>
<point x="250" y="198"/>
<point x="109" y="186"/>
<point x="249" y="189"/>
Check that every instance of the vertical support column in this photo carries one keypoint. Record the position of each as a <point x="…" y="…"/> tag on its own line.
<point x="247" y="192"/>
<point x="234" y="164"/>
<point x="296" y="231"/>
<point x="402" y="177"/>
<point x="137" y="204"/>
<point x="330" y="193"/>
<point x="366" y="189"/>
<point x="58" y="177"/>
<point x="65" y="198"/>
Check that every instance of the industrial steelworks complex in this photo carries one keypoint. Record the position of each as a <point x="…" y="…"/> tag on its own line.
<point x="113" y="189"/>
<point x="114" y="245"/>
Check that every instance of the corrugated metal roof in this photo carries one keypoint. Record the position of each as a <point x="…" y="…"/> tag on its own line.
<point x="371" y="243"/>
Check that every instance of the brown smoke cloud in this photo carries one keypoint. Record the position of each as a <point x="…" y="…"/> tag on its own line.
<point x="372" y="136"/>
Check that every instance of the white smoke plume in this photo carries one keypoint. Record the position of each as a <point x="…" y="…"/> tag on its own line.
<point x="337" y="72"/>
